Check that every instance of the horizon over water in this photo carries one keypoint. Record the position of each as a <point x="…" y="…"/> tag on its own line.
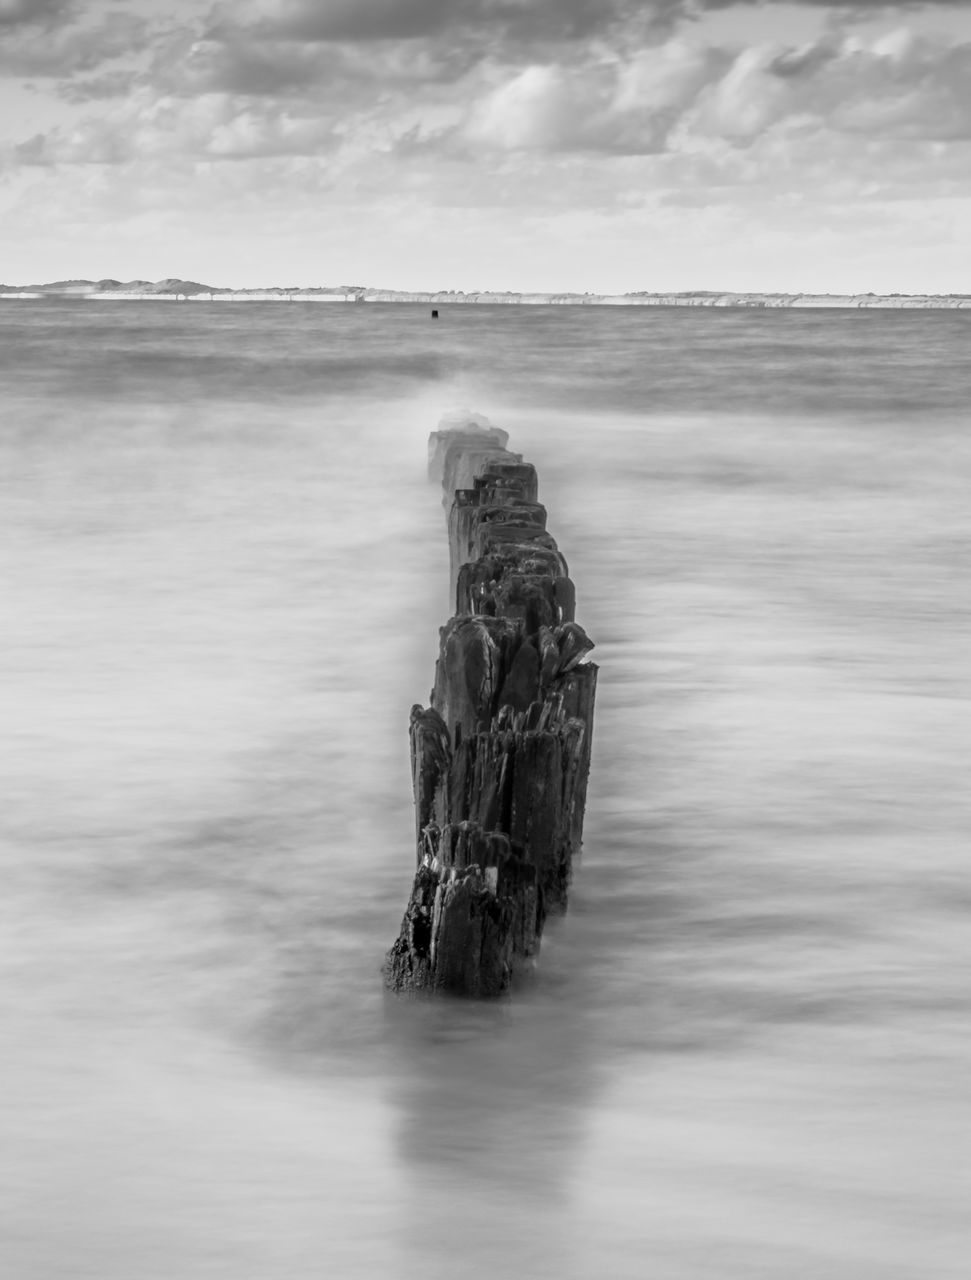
<point x="743" y="1051"/>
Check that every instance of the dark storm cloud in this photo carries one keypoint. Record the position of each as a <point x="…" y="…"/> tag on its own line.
<point x="256" y="67"/>
<point x="493" y="21"/>
<point x="278" y="46"/>
<point x="348" y="74"/>
<point x="796" y="64"/>
<point x="372" y="20"/>
<point x="862" y="8"/>
<point x="66" y="50"/>
<point x="20" y="13"/>
<point x="267" y="47"/>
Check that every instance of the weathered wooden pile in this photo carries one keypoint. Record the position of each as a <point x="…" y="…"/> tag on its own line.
<point x="500" y="758"/>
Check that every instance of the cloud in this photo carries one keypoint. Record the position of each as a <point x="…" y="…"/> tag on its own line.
<point x="21" y="13"/>
<point x="898" y="85"/>
<point x="33" y="50"/>
<point x="800" y="63"/>
<point x="902" y="87"/>
<point x="490" y="25"/>
<point x="229" y="94"/>
<point x="680" y="96"/>
<point x="877" y="6"/>
<point x="369" y="20"/>
<point x="744" y="102"/>
<point x="211" y="127"/>
<point x="249" y="66"/>
<point x="600" y="134"/>
<point x="620" y="107"/>
<point x="98" y="88"/>
<point x="341" y="20"/>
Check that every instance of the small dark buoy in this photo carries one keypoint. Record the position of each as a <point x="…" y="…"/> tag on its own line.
<point x="434" y="314"/>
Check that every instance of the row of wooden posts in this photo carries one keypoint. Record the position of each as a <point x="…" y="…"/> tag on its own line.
<point x="501" y="756"/>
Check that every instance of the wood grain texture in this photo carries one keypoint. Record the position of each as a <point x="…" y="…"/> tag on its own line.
<point x="500" y="758"/>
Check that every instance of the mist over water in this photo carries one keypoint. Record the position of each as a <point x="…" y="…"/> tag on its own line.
<point x="742" y="1053"/>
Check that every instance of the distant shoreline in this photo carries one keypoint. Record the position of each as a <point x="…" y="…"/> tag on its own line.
<point x="191" y="291"/>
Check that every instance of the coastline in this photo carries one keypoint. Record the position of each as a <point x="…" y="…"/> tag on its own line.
<point x="189" y="291"/>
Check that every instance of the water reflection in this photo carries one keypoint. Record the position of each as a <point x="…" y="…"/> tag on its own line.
<point x="492" y="1098"/>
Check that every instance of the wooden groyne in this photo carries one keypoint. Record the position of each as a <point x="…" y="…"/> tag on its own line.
<point x="500" y="758"/>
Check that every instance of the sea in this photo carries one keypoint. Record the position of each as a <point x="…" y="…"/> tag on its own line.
<point x="743" y="1053"/>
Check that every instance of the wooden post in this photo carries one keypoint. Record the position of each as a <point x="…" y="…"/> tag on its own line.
<point x="500" y="758"/>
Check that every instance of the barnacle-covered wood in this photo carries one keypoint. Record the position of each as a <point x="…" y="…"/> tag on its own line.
<point x="500" y="758"/>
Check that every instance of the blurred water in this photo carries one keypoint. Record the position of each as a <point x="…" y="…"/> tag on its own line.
<point x="743" y="1052"/>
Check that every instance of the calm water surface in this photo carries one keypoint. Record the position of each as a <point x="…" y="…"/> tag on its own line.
<point x="744" y="1051"/>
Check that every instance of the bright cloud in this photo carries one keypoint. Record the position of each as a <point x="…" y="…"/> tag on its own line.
<point x="620" y="107"/>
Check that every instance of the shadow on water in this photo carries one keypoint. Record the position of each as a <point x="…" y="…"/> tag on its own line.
<point x="491" y="1095"/>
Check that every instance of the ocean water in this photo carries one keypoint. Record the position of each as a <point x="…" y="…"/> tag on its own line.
<point x="743" y="1052"/>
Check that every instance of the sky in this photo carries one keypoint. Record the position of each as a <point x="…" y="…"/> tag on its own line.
<point x="585" y="145"/>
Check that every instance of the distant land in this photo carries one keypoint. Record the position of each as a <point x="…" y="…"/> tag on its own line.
<point x="191" y="291"/>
